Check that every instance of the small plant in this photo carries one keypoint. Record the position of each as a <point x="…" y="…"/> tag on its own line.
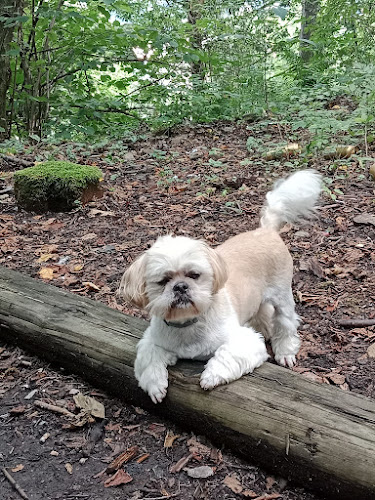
<point x="166" y="177"/>
<point x="158" y="154"/>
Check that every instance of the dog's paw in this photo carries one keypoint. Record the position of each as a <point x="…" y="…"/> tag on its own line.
<point x="156" y="389"/>
<point x="288" y="360"/>
<point x="157" y="394"/>
<point x="210" y="379"/>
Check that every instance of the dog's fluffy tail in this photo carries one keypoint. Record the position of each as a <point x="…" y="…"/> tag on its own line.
<point x="291" y="199"/>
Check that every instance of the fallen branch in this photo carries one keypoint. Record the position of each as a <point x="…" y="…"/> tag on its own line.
<point x="54" y="408"/>
<point x="356" y="323"/>
<point x="318" y="435"/>
<point x="14" y="483"/>
<point x="16" y="161"/>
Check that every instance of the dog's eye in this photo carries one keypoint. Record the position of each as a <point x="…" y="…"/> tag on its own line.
<point x="164" y="281"/>
<point x="193" y="276"/>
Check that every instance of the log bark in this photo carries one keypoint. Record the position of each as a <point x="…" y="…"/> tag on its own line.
<point x="319" y="436"/>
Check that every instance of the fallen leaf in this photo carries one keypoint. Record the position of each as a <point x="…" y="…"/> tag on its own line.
<point x="155" y="430"/>
<point x="139" y="219"/>
<point x="336" y="378"/>
<point x="91" y="286"/>
<point x="198" y="448"/>
<point x="270" y="481"/>
<point x="90" y="405"/>
<point x="77" y="268"/>
<point x="89" y="236"/>
<point x="314" y="377"/>
<point x="201" y="472"/>
<point x="249" y="493"/>
<point x="180" y="464"/>
<point x="365" y="219"/>
<point x="269" y="496"/>
<point x="371" y="351"/>
<point x="17" y="468"/>
<point x="79" y="421"/>
<point x="17" y="410"/>
<point x="216" y="456"/>
<point x="46" y="273"/>
<point x="233" y="483"/>
<point x="332" y="307"/>
<point x="170" y="439"/>
<point x="122" y="459"/>
<point x="69" y="468"/>
<point x="46" y="257"/>
<point x="120" y="477"/>
<point x="102" y="213"/>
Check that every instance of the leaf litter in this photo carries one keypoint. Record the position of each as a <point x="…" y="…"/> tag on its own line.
<point x="205" y="202"/>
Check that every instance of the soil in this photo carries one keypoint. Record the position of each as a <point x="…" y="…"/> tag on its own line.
<point x="201" y="182"/>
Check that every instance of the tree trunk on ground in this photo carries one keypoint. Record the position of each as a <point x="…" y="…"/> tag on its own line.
<point x="8" y="8"/>
<point x="318" y="435"/>
<point x="310" y="9"/>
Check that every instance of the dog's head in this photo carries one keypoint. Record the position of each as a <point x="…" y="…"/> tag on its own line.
<point x="175" y="279"/>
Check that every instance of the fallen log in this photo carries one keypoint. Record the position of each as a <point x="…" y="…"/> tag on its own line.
<point x="319" y="436"/>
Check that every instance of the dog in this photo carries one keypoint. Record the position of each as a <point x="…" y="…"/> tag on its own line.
<point x="210" y="304"/>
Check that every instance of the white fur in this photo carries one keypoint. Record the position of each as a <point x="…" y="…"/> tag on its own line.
<point x="229" y="292"/>
<point x="232" y="350"/>
<point x="291" y="199"/>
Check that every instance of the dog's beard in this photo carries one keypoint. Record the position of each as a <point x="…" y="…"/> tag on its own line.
<point x="172" y="307"/>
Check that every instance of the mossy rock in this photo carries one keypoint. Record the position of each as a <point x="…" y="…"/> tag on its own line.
<point x="56" y="186"/>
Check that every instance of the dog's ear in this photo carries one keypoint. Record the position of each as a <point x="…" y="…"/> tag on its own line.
<point x="219" y="268"/>
<point x="133" y="284"/>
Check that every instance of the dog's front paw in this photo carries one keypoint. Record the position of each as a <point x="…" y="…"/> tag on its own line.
<point x="155" y="388"/>
<point x="210" y="379"/>
<point x="288" y="360"/>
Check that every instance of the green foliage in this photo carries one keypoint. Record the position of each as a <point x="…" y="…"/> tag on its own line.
<point x="82" y="70"/>
<point x="54" y="185"/>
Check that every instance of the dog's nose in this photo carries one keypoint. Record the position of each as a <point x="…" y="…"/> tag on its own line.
<point x="180" y="287"/>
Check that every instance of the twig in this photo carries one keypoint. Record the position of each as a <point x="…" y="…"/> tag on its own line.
<point x="161" y="498"/>
<point x="15" y="485"/>
<point x="355" y="323"/>
<point x="56" y="409"/>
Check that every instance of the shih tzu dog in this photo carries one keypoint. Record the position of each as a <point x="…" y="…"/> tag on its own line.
<point x="210" y="304"/>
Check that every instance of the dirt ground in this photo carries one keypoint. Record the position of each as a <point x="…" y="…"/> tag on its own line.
<point x="201" y="182"/>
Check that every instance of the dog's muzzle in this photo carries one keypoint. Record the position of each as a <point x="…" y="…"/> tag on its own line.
<point x="181" y="294"/>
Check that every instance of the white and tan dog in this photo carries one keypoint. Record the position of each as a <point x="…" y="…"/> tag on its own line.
<point x="207" y="304"/>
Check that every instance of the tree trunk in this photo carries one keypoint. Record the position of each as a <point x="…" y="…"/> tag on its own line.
<point x="310" y="9"/>
<point x="318" y="435"/>
<point x="194" y="13"/>
<point x="8" y="8"/>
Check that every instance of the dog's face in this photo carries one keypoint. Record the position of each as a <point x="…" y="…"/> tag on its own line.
<point x="175" y="279"/>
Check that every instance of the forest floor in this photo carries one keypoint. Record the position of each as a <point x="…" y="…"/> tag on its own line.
<point x="201" y="182"/>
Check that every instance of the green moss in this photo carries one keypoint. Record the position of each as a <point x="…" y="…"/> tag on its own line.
<point x="54" y="185"/>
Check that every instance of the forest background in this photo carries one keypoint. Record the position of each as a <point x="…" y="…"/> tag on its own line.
<point x="90" y="71"/>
